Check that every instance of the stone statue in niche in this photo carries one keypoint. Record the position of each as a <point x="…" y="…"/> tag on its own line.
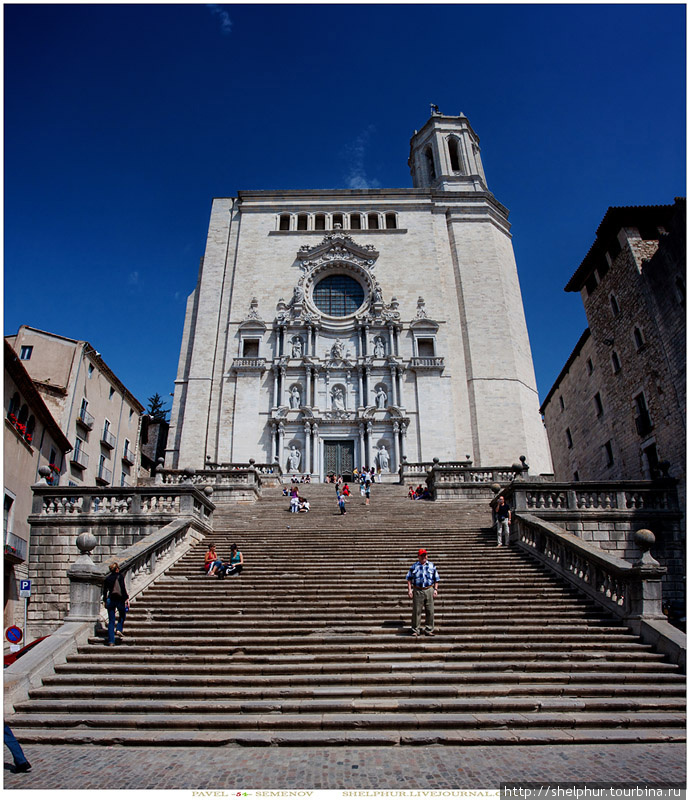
<point x="294" y="459"/>
<point x="298" y="296"/>
<point x="383" y="459"/>
<point x="379" y="347"/>
<point x="338" y="399"/>
<point x="381" y="398"/>
<point x="337" y="349"/>
<point x="295" y="398"/>
<point x="296" y="347"/>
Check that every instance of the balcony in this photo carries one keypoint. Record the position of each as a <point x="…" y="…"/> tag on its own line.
<point x="16" y="548"/>
<point x="643" y="423"/>
<point x="80" y="459"/>
<point x="427" y="362"/>
<point x="104" y="475"/>
<point x="85" y="419"/>
<point x="248" y="364"/>
<point x="108" y="440"/>
<point x="128" y="456"/>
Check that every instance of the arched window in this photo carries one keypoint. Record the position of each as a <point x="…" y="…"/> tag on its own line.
<point x="15" y="402"/>
<point x="337" y="220"/>
<point x="302" y="222"/>
<point x="455" y="153"/>
<point x="30" y="426"/>
<point x="390" y="221"/>
<point x="320" y="222"/>
<point x="373" y="222"/>
<point x="284" y="222"/>
<point x="431" y="169"/>
<point x="355" y="222"/>
<point x="23" y="414"/>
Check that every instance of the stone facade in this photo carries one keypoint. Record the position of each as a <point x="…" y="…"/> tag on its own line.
<point x="617" y="410"/>
<point x="334" y="329"/>
<point x="32" y="439"/>
<point x="97" y="413"/>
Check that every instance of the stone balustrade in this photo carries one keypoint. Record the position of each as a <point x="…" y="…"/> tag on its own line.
<point x="230" y="482"/>
<point x="630" y="591"/>
<point x="118" y="517"/>
<point x="459" y="480"/>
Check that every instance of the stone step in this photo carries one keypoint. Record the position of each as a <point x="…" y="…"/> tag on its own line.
<point x="596" y="689"/>
<point x="408" y="679"/>
<point x="345" y="705"/>
<point x="353" y="720"/>
<point x="352" y="738"/>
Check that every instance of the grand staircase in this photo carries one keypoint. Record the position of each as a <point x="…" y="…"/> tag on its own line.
<point x="311" y="644"/>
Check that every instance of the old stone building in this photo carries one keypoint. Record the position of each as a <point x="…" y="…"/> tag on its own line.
<point x="617" y="409"/>
<point x="94" y="409"/>
<point x="334" y="329"/>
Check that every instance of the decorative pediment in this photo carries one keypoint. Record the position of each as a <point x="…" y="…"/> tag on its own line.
<point x="422" y="321"/>
<point x="337" y="247"/>
<point x="253" y="321"/>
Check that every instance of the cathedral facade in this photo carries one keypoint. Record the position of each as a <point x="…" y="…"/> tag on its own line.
<point x="336" y="329"/>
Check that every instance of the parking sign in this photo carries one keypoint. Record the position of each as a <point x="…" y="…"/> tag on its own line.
<point x="25" y="588"/>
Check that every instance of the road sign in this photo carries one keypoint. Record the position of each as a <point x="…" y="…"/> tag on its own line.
<point x="13" y="634"/>
<point x="25" y="588"/>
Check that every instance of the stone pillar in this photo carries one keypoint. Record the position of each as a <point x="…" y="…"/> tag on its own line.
<point x="367" y="385"/>
<point x="281" y="444"/>
<point x="396" y="446"/>
<point x="370" y="434"/>
<point x="403" y="440"/>
<point x="400" y="372"/>
<point x="307" y="399"/>
<point x="327" y="383"/>
<point x="394" y="392"/>
<point x="362" y="454"/>
<point x="391" y="340"/>
<point x="316" y="448"/>
<point x="85" y="583"/>
<point x="366" y="341"/>
<point x="306" y="466"/>
<point x="276" y="395"/>
<point x="283" y="387"/>
<point x="307" y="344"/>
<point x="274" y="443"/>
<point x="349" y="403"/>
<point x="360" y="384"/>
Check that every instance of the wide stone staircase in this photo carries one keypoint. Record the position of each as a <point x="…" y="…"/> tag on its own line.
<point x="311" y="644"/>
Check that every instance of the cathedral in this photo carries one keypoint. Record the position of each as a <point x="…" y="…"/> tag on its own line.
<point x="334" y="329"/>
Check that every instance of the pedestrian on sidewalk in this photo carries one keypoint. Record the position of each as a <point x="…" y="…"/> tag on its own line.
<point x="422" y="589"/>
<point x="21" y="763"/>
<point x="503" y="520"/>
<point x="116" y="599"/>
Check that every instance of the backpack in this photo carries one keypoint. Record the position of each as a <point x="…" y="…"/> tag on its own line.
<point x="116" y="591"/>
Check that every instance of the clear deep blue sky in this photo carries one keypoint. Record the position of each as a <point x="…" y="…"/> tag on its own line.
<point x="123" y="121"/>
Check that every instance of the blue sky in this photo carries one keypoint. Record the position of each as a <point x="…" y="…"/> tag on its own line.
<point x="123" y="121"/>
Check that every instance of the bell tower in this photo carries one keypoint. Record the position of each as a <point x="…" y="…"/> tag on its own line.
<point x="445" y="155"/>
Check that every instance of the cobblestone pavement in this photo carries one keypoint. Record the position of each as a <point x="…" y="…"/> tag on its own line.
<point x="431" y="767"/>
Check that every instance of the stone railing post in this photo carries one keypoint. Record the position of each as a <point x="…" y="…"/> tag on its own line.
<point x="85" y="583"/>
<point x="645" y="581"/>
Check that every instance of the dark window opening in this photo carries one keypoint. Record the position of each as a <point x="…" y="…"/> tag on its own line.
<point x="590" y="366"/>
<point x="562" y="403"/>
<point x="643" y="422"/>
<point x="425" y="348"/>
<point x="598" y="404"/>
<point x="614" y="306"/>
<point x="302" y="222"/>
<point x="25" y="352"/>
<point x="652" y="458"/>
<point x="338" y="295"/>
<point x="250" y="348"/>
<point x="616" y="362"/>
<point x="453" y="152"/>
<point x="337" y="220"/>
<point x="430" y="164"/>
<point x="639" y="341"/>
<point x="320" y="222"/>
<point x="568" y="438"/>
<point x="608" y="451"/>
<point x="355" y="222"/>
<point x="576" y="476"/>
<point x="284" y="222"/>
<point x="591" y="283"/>
<point x="373" y="222"/>
<point x="390" y="221"/>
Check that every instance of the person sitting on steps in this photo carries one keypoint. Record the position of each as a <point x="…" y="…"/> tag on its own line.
<point x="235" y="565"/>
<point x="211" y="561"/>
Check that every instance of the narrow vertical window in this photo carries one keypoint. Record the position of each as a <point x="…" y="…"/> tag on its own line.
<point x="590" y="366"/>
<point x="431" y="169"/>
<point x="568" y="438"/>
<point x="302" y="222"/>
<point x="615" y="362"/>
<point x="390" y="221"/>
<point x="598" y="406"/>
<point x="453" y="153"/>
<point x="373" y="222"/>
<point x="562" y="404"/>
<point x="355" y="222"/>
<point x="284" y="222"/>
<point x="615" y="308"/>
<point x="337" y="220"/>
<point x="639" y="340"/>
<point x="320" y="222"/>
<point x="608" y="454"/>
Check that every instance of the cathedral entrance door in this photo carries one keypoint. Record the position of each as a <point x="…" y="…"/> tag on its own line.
<point x="339" y="457"/>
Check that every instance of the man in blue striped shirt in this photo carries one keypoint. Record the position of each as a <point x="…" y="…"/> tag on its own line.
<point x="422" y="588"/>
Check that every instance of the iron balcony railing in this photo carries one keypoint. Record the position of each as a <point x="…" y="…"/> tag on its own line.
<point x="85" y="419"/>
<point x="108" y="440"/>
<point x="104" y="474"/>
<point x="128" y="456"/>
<point x="80" y="458"/>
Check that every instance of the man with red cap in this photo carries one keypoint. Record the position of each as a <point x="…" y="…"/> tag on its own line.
<point x="422" y="588"/>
